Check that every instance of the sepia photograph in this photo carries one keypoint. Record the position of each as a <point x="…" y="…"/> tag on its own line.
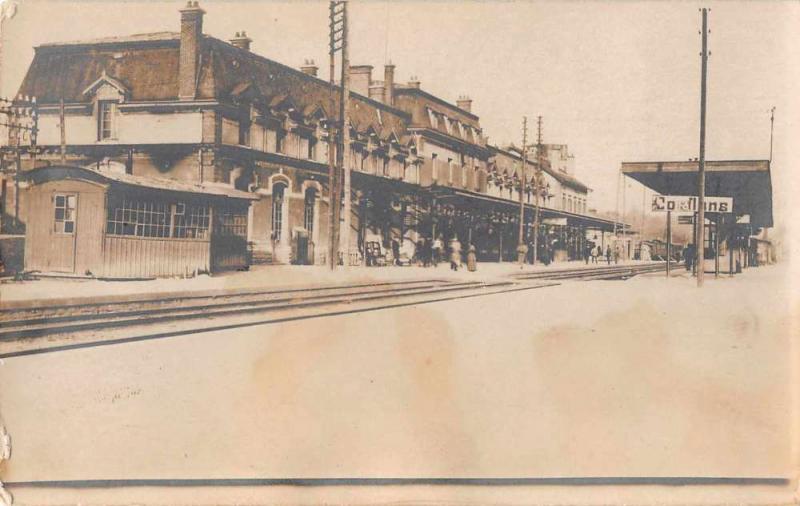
<point x="373" y="252"/>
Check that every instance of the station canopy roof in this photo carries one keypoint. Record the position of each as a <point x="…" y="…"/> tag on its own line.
<point x="747" y="181"/>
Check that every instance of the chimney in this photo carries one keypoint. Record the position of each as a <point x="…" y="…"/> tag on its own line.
<point x="464" y="103"/>
<point x="414" y="82"/>
<point x="241" y="40"/>
<point x="388" y="82"/>
<point x="360" y="79"/>
<point x="310" y="68"/>
<point x="191" y="34"/>
<point x="377" y="92"/>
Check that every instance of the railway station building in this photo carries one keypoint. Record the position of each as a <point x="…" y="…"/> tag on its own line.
<point x="203" y="118"/>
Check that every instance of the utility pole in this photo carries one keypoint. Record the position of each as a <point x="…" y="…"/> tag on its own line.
<point x="701" y="176"/>
<point x="616" y="207"/>
<point x="771" y="130"/>
<point x="336" y="156"/>
<point x="22" y="121"/>
<point x="344" y="116"/>
<point x="537" y="177"/>
<point x="521" y="248"/>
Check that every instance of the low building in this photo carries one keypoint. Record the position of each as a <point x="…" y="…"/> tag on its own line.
<point x="85" y="222"/>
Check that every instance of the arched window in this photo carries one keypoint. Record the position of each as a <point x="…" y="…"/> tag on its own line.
<point x="278" y="191"/>
<point x="308" y="213"/>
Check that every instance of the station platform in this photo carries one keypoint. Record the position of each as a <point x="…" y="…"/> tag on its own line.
<point x="266" y="276"/>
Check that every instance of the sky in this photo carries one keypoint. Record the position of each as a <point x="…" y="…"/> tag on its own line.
<point x="616" y="81"/>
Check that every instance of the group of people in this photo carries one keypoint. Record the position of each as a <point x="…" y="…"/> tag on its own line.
<point x="433" y="252"/>
<point x="595" y="254"/>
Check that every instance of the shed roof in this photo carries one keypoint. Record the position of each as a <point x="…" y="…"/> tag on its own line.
<point x="57" y="172"/>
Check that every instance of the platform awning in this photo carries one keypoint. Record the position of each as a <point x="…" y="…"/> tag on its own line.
<point x="747" y="181"/>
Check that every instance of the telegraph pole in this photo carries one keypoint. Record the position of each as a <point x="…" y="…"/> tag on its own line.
<point x="21" y="119"/>
<point x="521" y="249"/>
<point x="701" y="177"/>
<point x="537" y="176"/>
<point x="344" y="114"/>
<point x="336" y="155"/>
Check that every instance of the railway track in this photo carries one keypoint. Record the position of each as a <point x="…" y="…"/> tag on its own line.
<point x="116" y="318"/>
<point x="590" y="274"/>
<point x="75" y="317"/>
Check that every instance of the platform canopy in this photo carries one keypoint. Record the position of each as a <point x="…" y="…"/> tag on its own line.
<point x="747" y="181"/>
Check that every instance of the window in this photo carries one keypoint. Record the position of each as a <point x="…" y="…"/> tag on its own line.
<point x="280" y="141"/>
<point x="312" y="149"/>
<point x="65" y="214"/>
<point x="191" y="222"/>
<point x="145" y="218"/>
<point x="106" y="114"/>
<point x="433" y="119"/>
<point x="435" y="167"/>
<point x="244" y="133"/>
<point x="139" y="218"/>
<point x="386" y="167"/>
<point x="277" y="210"/>
<point x="308" y="215"/>
<point x="450" y="171"/>
<point x="228" y="223"/>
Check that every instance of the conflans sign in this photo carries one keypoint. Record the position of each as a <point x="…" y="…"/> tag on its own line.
<point x="677" y="204"/>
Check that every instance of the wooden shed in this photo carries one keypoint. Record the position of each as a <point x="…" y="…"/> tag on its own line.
<point x="116" y="225"/>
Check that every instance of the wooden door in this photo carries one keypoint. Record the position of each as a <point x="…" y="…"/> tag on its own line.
<point x="62" y="245"/>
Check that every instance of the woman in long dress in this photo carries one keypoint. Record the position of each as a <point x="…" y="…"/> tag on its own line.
<point x="472" y="259"/>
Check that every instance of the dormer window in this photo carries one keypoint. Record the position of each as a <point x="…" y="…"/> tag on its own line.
<point x="107" y="92"/>
<point x="434" y="118"/>
<point x="106" y="119"/>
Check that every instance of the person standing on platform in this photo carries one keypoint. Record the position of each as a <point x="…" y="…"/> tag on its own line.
<point x="594" y="254"/>
<point x="472" y="259"/>
<point x="688" y="257"/>
<point x="616" y="254"/>
<point x="396" y="251"/>
<point x="608" y="255"/>
<point x="455" y="254"/>
<point x="436" y="251"/>
<point x="426" y="252"/>
<point x="587" y="252"/>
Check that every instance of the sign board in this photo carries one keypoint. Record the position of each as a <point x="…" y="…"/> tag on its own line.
<point x="678" y="204"/>
<point x="555" y="221"/>
<point x="686" y="220"/>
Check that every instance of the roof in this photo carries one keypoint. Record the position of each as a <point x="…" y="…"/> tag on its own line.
<point x="147" y="65"/>
<point x="417" y="103"/>
<point x="747" y="181"/>
<point x="137" y="37"/>
<point x="561" y="177"/>
<point x="57" y="172"/>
